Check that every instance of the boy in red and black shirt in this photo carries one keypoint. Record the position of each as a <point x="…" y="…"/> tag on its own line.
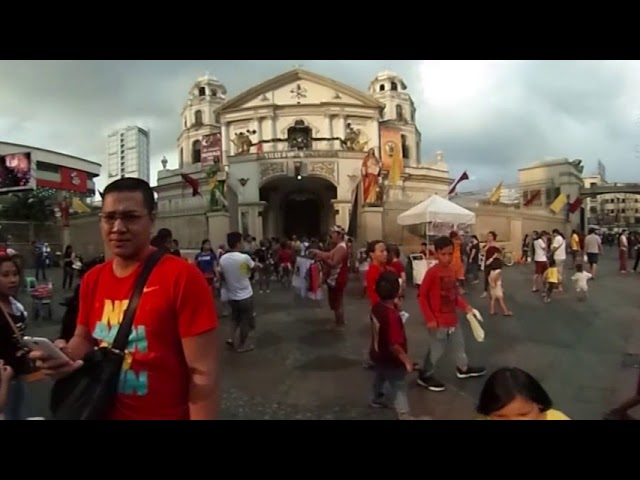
<point x="377" y="253"/>
<point x="389" y="352"/>
<point x="439" y="297"/>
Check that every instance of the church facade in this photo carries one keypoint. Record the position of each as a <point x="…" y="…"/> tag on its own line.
<point x="294" y="155"/>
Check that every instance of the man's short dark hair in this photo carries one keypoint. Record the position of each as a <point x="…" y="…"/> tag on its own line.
<point x="234" y="239"/>
<point x="441" y="243"/>
<point x="371" y="246"/>
<point x="131" y="184"/>
<point x="388" y="286"/>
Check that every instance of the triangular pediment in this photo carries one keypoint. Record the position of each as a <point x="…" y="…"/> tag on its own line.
<point x="299" y="87"/>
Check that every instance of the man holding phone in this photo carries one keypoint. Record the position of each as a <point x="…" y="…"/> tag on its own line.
<point x="170" y="365"/>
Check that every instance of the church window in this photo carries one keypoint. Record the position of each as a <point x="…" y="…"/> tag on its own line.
<point x="196" y="148"/>
<point x="381" y="88"/>
<point x="202" y="92"/>
<point x="198" y="117"/>
<point x="394" y="86"/>
<point x="214" y="93"/>
<point x="299" y="136"/>
<point x="399" y="112"/>
<point x="405" y="146"/>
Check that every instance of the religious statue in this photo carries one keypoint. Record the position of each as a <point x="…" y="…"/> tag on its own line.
<point x="352" y="139"/>
<point x="65" y="208"/>
<point x="242" y="141"/>
<point x="216" y="195"/>
<point x="371" y="170"/>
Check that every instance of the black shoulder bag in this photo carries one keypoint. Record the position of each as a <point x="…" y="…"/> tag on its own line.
<point x="89" y="393"/>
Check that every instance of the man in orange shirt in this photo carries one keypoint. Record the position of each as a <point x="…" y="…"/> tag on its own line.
<point x="170" y="366"/>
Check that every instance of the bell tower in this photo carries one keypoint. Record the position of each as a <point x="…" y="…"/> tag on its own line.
<point x="399" y="112"/>
<point x="199" y="117"/>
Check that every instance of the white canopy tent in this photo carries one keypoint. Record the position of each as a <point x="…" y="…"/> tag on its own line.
<point x="436" y="209"/>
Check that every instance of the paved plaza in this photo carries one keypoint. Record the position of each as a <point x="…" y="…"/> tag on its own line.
<point x="585" y="354"/>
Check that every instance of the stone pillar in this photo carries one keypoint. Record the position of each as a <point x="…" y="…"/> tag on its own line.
<point x="341" y="209"/>
<point x="341" y="130"/>
<point x="274" y="132"/>
<point x="370" y="224"/>
<point x="226" y="144"/>
<point x="254" y="211"/>
<point x="218" y="227"/>
<point x="329" y="127"/>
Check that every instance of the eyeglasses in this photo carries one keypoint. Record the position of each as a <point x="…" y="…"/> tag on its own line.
<point x="128" y="218"/>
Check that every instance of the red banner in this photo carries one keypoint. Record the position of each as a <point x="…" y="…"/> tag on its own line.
<point x="70" y="180"/>
<point x="211" y="149"/>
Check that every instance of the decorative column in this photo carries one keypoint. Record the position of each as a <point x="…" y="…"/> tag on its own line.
<point x="226" y="144"/>
<point x="342" y="127"/>
<point x="329" y="127"/>
<point x="274" y="131"/>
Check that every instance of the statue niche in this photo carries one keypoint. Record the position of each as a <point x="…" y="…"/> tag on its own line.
<point x="242" y="141"/>
<point x="299" y="136"/>
<point x="353" y="139"/>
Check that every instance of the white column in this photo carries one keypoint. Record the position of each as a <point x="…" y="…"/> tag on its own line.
<point x="226" y="144"/>
<point x="329" y="127"/>
<point x="342" y="128"/>
<point x="258" y="127"/>
<point x="274" y="132"/>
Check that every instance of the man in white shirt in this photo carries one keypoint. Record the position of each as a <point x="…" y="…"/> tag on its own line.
<point x="236" y="268"/>
<point x="593" y="249"/>
<point x="623" y="251"/>
<point x="540" y="260"/>
<point x="559" y="251"/>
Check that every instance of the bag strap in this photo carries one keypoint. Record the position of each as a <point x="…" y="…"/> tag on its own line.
<point x="124" y="330"/>
<point x="12" y="324"/>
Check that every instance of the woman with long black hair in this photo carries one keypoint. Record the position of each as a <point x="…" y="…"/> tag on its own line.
<point x="13" y="319"/>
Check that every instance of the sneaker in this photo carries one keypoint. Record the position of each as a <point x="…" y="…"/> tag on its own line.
<point x="471" y="372"/>
<point x="408" y="416"/>
<point x="378" y="403"/>
<point x="431" y="383"/>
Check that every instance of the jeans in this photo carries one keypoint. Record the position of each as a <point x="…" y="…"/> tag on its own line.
<point x="16" y="401"/>
<point x="439" y="339"/>
<point x="395" y="379"/>
<point x="473" y="269"/>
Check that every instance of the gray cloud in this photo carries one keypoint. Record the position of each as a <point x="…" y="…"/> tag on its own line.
<point x="489" y="117"/>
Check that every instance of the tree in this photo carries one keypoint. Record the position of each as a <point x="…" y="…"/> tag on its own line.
<point x="27" y="207"/>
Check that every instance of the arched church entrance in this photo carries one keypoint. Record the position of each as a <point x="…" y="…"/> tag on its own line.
<point x="300" y="207"/>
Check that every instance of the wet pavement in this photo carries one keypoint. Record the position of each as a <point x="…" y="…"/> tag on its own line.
<point x="586" y="354"/>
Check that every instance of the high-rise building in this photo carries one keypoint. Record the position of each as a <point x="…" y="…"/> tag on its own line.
<point x="128" y="154"/>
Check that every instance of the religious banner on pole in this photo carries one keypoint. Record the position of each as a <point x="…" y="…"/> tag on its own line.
<point x="211" y="152"/>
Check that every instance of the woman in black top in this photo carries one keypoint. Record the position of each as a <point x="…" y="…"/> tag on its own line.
<point x="67" y="268"/>
<point x="12" y="325"/>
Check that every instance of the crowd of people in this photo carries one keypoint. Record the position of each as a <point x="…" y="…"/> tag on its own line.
<point x="170" y="366"/>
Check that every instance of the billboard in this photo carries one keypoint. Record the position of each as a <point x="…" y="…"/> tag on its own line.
<point x="211" y="151"/>
<point x="16" y="172"/>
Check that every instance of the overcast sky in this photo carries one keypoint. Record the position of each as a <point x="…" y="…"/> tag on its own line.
<point x="489" y="117"/>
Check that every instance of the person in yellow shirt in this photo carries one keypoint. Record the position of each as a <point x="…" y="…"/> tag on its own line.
<point x="510" y="393"/>
<point x="575" y="248"/>
<point x="551" y="279"/>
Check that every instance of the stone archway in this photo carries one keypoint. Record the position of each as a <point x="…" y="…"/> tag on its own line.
<point x="298" y="207"/>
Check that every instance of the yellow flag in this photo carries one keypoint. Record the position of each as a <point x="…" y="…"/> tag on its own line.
<point x="558" y="203"/>
<point x="495" y="195"/>
<point x="396" y="167"/>
<point x="78" y="206"/>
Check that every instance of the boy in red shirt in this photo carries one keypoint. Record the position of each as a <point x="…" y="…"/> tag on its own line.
<point x="377" y="253"/>
<point x="438" y="298"/>
<point x="389" y="352"/>
<point x="395" y="264"/>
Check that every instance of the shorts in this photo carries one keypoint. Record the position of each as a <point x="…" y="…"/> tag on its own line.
<point x="541" y="267"/>
<point x="336" y="296"/>
<point x="592" y="258"/>
<point x="242" y="313"/>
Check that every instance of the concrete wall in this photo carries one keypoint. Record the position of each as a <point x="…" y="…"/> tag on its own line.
<point x="189" y="230"/>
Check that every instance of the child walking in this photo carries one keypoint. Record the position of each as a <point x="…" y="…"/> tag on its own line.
<point x="438" y="298"/>
<point x="388" y="352"/>
<point x="580" y="279"/>
<point x="495" y="288"/>
<point x="551" y="278"/>
<point x="377" y="254"/>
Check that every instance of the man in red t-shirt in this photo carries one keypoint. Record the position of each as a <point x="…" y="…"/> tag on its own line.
<point x="439" y="297"/>
<point x="170" y="366"/>
<point x="388" y="352"/>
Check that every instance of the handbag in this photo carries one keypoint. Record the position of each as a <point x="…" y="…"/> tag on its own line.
<point x="89" y="393"/>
